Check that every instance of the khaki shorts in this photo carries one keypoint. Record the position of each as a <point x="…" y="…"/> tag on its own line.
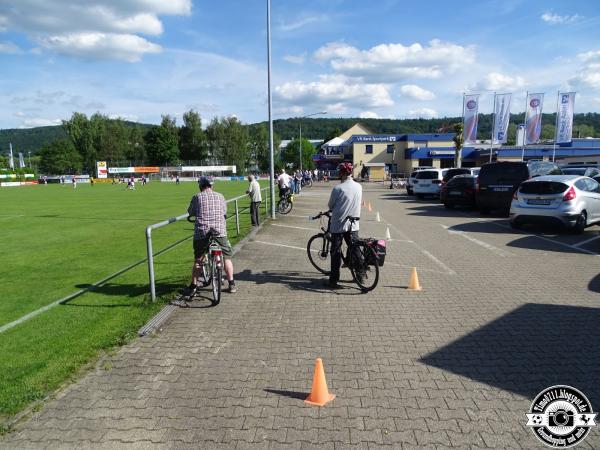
<point x="201" y="247"/>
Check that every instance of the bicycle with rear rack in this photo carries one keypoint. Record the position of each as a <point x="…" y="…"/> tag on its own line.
<point x="359" y="255"/>
<point x="285" y="203"/>
<point x="212" y="265"/>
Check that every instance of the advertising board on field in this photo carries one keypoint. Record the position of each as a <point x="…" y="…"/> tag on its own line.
<point x="102" y="169"/>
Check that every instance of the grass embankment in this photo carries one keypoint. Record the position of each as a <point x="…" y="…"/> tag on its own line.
<point x="56" y="241"/>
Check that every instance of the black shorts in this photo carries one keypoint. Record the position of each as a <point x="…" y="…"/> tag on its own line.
<point x="201" y="247"/>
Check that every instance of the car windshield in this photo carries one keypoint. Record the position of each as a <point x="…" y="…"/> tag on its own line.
<point x="543" y="187"/>
<point x="427" y="175"/>
<point x="453" y="172"/>
<point x="574" y="170"/>
<point x="512" y="172"/>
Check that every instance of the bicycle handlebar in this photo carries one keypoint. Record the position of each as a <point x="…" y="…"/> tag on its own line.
<point x="328" y="214"/>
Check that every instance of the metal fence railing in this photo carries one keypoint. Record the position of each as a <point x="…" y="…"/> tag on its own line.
<point x="236" y="214"/>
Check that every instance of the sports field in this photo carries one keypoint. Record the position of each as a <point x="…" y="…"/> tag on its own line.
<point x="57" y="240"/>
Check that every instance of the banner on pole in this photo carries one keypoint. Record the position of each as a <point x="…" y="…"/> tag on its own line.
<point x="101" y="169"/>
<point x="21" y="161"/>
<point x="471" y="109"/>
<point x="533" y="118"/>
<point x="564" y="121"/>
<point x="502" y="115"/>
<point x="11" y="161"/>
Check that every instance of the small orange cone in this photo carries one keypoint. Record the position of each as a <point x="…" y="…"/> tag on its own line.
<point x="414" y="285"/>
<point x="370" y="209"/>
<point x="319" y="394"/>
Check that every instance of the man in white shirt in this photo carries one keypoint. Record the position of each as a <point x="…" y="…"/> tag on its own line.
<point x="344" y="201"/>
<point x="255" y="200"/>
<point x="283" y="181"/>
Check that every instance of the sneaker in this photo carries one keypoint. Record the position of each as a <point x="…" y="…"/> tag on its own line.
<point x="232" y="288"/>
<point x="189" y="291"/>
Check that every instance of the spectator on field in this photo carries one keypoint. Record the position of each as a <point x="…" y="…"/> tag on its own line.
<point x="284" y="183"/>
<point x="298" y="177"/>
<point x="74" y="181"/>
<point x="210" y="210"/>
<point x="344" y="201"/>
<point x="177" y="179"/>
<point x="255" y="200"/>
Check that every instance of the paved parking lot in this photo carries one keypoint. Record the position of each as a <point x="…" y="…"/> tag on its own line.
<point x="502" y="316"/>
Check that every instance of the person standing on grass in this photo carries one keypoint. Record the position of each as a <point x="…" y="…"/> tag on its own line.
<point x="210" y="210"/>
<point x="74" y="180"/>
<point x="344" y="201"/>
<point x="255" y="199"/>
<point x="177" y="179"/>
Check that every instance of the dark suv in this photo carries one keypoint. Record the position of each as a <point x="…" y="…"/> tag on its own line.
<point x="498" y="181"/>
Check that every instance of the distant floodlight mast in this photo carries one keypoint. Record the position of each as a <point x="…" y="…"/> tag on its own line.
<point x="300" y="142"/>
<point x="271" y="160"/>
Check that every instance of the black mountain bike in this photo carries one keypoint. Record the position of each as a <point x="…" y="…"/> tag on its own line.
<point x="359" y="256"/>
<point x="285" y="203"/>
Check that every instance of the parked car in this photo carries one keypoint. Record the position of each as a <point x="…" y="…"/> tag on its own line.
<point x="460" y="190"/>
<point x="498" y="181"/>
<point x="451" y="173"/>
<point x="428" y="182"/>
<point x="584" y="171"/>
<point x="412" y="178"/>
<point x="569" y="200"/>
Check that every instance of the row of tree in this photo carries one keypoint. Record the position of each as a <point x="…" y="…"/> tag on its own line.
<point x="224" y="141"/>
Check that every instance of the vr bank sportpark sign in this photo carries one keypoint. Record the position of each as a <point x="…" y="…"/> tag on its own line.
<point x="150" y="169"/>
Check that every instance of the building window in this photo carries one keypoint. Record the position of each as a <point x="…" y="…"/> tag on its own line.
<point x="369" y="148"/>
<point x="390" y="148"/>
<point x="425" y="162"/>
<point x="420" y="144"/>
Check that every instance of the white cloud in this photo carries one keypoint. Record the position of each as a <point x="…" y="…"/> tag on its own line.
<point x="334" y="94"/>
<point x="125" y="47"/>
<point x="92" y="28"/>
<point x="592" y="56"/>
<point x="394" y="62"/>
<point x="39" y="122"/>
<point x="588" y="76"/>
<point x="416" y="93"/>
<point x="496" y="81"/>
<point x="302" y="22"/>
<point x="368" y="115"/>
<point x="422" y="113"/>
<point x="9" y="47"/>
<point x="295" y="59"/>
<point x="555" y="19"/>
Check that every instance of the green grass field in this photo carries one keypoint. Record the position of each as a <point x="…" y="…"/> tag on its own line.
<point x="56" y="241"/>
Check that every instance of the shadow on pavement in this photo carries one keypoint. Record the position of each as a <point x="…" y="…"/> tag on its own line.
<point x="594" y="284"/>
<point x="530" y="348"/>
<point x="290" y="394"/>
<point x="301" y="281"/>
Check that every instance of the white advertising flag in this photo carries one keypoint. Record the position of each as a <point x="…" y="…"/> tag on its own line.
<point x="502" y="118"/>
<point x="471" y="109"/>
<point x="533" y="118"/>
<point x="564" y="121"/>
<point x="11" y="161"/>
<point x="21" y="161"/>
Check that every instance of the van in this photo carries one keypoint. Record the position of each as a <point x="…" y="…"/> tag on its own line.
<point x="498" y="181"/>
<point x="428" y="182"/>
<point x="412" y="177"/>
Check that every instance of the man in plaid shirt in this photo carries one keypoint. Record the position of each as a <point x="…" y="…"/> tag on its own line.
<point x="210" y="210"/>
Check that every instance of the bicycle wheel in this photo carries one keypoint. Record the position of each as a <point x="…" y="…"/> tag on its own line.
<point x="217" y="274"/>
<point x="206" y="275"/>
<point x="318" y="253"/>
<point x="285" y="206"/>
<point x="364" y="266"/>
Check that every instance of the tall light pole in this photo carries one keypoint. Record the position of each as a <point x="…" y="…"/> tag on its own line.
<point x="271" y="161"/>
<point x="300" y="141"/>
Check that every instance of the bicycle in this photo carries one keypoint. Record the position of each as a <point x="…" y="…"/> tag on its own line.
<point x="397" y="183"/>
<point x="212" y="264"/>
<point x="359" y="257"/>
<point x="285" y="203"/>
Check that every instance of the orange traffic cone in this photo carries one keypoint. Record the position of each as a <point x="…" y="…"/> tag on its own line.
<point x="414" y="285"/>
<point x="370" y="209"/>
<point x="319" y="394"/>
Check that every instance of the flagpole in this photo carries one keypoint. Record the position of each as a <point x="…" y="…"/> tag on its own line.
<point x="555" y="127"/>
<point x="525" y="127"/>
<point x="459" y="154"/>
<point x="493" y="129"/>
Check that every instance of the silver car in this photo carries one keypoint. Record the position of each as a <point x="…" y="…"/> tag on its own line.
<point x="569" y="200"/>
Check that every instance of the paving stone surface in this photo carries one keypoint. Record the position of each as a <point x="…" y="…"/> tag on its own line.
<point x="501" y="316"/>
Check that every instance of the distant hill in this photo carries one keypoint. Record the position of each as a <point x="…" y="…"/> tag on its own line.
<point x="585" y="124"/>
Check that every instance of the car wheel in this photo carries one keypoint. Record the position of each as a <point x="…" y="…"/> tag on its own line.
<point x="409" y="191"/>
<point x="581" y="223"/>
<point x="448" y="205"/>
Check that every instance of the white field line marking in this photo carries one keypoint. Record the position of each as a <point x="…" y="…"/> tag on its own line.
<point x="99" y="283"/>
<point x="485" y="245"/>
<point x="579" y="244"/>
<point x="297" y="228"/>
<point x="544" y="238"/>
<point x="447" y="269"/>
<point x="281" y="245"/>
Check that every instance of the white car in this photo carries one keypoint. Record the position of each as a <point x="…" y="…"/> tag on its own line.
<point x="569" y="200"/>
<point x="412" y="178"/>
<point x="428" y="182"/>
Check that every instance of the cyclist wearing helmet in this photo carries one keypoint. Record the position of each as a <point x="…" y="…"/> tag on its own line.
<point x="344" y="201"/>
<point x="210" y="210"/>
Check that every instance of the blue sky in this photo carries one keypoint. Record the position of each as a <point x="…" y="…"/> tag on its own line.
<point x="138" y="59"/>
